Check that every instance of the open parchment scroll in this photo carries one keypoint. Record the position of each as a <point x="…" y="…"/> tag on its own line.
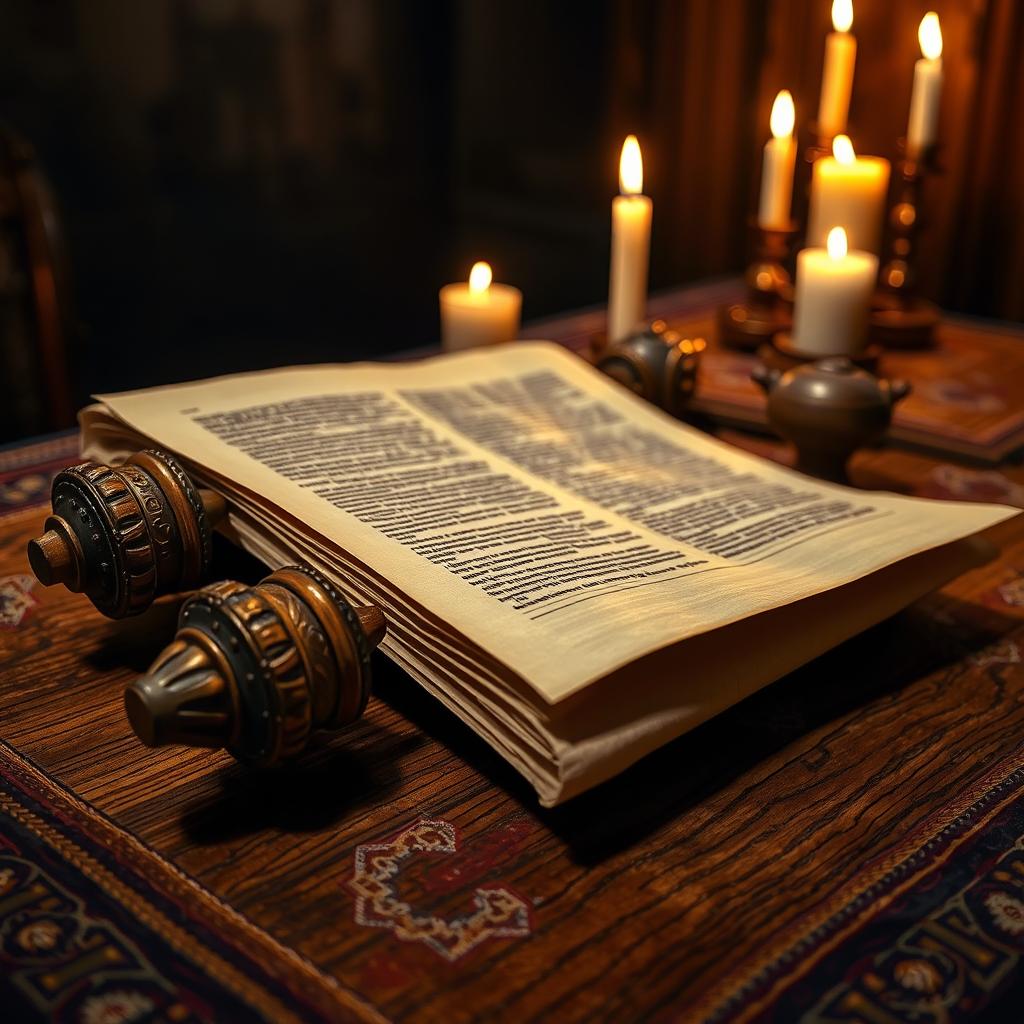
<point x="577" y="576"/>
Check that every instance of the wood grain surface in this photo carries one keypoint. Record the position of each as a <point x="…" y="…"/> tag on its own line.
<point x="644" y="896"/>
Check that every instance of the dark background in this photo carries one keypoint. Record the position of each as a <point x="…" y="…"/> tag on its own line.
<point x="245" y="183"/>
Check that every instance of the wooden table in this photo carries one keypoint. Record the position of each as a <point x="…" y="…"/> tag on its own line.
<point x="769" y="865"/>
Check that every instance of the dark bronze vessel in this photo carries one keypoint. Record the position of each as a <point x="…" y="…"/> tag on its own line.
<point x="828" y="409"/>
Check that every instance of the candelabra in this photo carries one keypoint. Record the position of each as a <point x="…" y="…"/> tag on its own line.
<point x="900" y="318"/>
<point x="768" y="306"/>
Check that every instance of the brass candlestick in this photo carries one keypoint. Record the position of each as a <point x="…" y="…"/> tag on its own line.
<point x="768" y="307"/>
<point x="900" y="317"/>
<point x="257" y="669"/>
<point x="124" y="535"/>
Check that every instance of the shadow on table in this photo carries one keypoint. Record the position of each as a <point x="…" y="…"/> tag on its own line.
<point x="352" y="771"/>
<point x="936" y="633"/>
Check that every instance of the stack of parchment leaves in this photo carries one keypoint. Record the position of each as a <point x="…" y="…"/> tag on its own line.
<point x="577" y="576"/>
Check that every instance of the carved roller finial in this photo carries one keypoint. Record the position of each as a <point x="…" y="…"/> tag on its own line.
<point x="124" y="535"/>
<point x="257" y="669"/>
<point x="657" y="363"/>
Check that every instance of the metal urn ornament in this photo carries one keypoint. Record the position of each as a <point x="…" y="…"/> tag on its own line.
<point x="828" y="409"/>
<point x="124" y="535"/>
<point x="256" y="669"/>
<point x="657" y="363"/>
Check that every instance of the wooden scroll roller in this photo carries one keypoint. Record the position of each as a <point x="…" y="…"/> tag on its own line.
<point x="257" y="669"/>
<point x="657" y="363"/>
<point x="124" y="535"/>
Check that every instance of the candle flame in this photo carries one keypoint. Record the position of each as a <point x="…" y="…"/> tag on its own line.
<point x="842" y="149"/>
<point x="842" y="15"/>
<point x="631" y="168"/>
<point x="783" y="115"/>
<point x="836" y="243"/>
<point x="929" y="35"/>
<point x="480" y="278"/>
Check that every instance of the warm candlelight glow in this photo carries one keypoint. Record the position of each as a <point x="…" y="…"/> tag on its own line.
<point x="631" y="168"/>
<point x="479" y="278"/>
<point x="842" y="15"/>
<point x="836" y="243"/>
<point x="783" y="115"/>
<point x="929" y="34"/>
<point x="842" y="149"/>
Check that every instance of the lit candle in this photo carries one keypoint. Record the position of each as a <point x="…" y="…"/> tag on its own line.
<point x="832" y="298"/>
<point x="924" y="101"/>
<point x="777" y="171"/>
<point x="631" y="245"/>
<point x="837" y="74"/>
<point x="479" y="313"/>
<point x="850" y="191"/>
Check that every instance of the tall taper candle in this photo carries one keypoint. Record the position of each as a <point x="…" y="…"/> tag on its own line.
<point x="924" y="101"/>
<point x="837" y="74"/>
<point x="777" y="170"/>
<point x="631" y="245"/>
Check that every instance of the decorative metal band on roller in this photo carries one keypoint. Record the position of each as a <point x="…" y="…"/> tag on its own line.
<point x="200" y="563"/>
<point x="126" y="584"/>
<point x="354" y="631"/>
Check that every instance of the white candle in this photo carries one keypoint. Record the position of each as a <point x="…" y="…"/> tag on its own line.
<point x="833" y="298"/>
<point x="850" y="191"/>
<point x="777" y="170"/>
<point x="631" y="245"/>
<point x="479" y="313"/>
<point x="924" y="100"/>
<point x="837" y="74"/>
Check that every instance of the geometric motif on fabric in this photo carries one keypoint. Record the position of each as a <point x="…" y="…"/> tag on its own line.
<point x="496" y="911"/>
<point x="16" y="600"/>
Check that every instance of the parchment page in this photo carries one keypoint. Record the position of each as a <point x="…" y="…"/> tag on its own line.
<point x="558" y="522"/>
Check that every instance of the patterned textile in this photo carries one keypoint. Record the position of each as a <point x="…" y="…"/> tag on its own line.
<point x="27" y="470"/>
<point x="95" y="928"/>
<point x="934" y="934"/>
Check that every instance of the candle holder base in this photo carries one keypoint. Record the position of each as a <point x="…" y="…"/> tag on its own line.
<point x="821" y="142"/>
<point x="747" y="326"/>
<point x="904" y="322"/>
<point x="781" y="354"/>
<point x="900" y="318"/>
<point x="768" y="307"/>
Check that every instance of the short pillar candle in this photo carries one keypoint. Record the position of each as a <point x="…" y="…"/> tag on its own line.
<point x="833" y="298"/>
<point x="479" y="312"/>
<point x="849" y="191"/>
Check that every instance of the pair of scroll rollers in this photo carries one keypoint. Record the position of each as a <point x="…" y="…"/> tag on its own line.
<point x="254" y="669"/>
